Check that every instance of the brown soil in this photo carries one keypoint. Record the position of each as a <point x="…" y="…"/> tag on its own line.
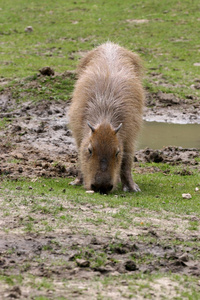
<point x="162" y="107"/>
<point x="38" y="142"/>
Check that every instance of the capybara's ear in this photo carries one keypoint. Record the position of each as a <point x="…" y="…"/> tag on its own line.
<point x="91" y="127"/>
<point x="118" y="128"/>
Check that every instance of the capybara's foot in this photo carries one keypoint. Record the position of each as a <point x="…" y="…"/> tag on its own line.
<point x="77" y="181"/>
<point x="131" y="188"/>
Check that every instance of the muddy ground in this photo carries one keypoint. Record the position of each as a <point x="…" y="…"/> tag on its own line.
<point x="36" y="142"/>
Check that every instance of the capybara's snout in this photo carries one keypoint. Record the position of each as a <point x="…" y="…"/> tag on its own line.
<point x="102" y="183"/>
<point x="102" y="189"/>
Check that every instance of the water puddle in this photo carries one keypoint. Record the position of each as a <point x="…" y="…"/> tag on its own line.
<point x="157" y="135"/>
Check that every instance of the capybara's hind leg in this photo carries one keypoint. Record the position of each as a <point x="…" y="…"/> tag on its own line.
<point x="126" y="178"/>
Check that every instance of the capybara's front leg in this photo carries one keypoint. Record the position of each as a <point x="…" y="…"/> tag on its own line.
<point x="126" y="178"/>
<point x="78" y="180"/>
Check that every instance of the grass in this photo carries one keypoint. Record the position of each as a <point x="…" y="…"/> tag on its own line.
<point x="159" y="192"/>
<point x="168" y="40"/>
<point x="36" y="88"/>
<point x="4" y="122"/>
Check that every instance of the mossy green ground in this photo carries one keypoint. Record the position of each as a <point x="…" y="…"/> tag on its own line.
<point x="159" y="191"/>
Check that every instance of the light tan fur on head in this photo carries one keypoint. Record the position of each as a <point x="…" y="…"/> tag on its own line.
<point x="108" y="92"/>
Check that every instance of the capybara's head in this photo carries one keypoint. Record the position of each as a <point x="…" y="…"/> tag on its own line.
<point x="100" y="157"/>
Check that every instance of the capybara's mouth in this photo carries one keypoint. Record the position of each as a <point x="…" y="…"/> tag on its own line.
<point x="105" y="189"/>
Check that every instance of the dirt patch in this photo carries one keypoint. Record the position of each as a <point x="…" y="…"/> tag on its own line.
<point x="36" y="139"/>
<point x="99" y="255"/>
<point x="169" y="155"/>
<point x="46" y="261"/>
<point x="163" y="107"/>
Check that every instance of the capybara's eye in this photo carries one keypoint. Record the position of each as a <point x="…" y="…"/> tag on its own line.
<point x="90" y="150"/>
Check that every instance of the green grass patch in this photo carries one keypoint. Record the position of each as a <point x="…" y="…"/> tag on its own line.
<point x="38" y="88"/>
<point x="165" y="33"/>
<point x="4" y="122"/>
<point x="160" y="191"/>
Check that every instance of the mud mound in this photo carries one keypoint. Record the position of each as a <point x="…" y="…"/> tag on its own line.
<point x="170" y="155"/>
<point x="163" y="107"/>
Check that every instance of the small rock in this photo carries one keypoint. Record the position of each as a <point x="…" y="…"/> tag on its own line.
<point x="2" y="261"/>
<point x="18" y="188"/>
<point x="197" y="86"/>
<point x="104" y="269"/>
<point x="16" y="128"/>
<point x="82" y="263"/>
<point x="90" y="192"/>
<point x="196" y="189"/>
<point x="57" y="127"/>
<point x="15" y="292"/>
<point x="184" y="257"/>
<point x="130" y="265"/>
<point x="29" y="29"/>
<point x="47" y="71"/>
<point x="17" y="155"/>
<point x="186" y="196"/>
<point x="20" y="170"/>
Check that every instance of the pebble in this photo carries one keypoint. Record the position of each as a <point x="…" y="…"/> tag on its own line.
<point x="20" y="170"/>
<point x="90" y="192"/>
<point x="186" y="196"/>
<point x="184" y="257"/>
<point x="18" y="188"/>
<point x="82" y="263"/>
<point x="47" y="71"/>
<point x="29" y="29"/>
<point x="130" y="266"/>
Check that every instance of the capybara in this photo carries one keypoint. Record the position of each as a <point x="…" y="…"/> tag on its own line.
<point x="105" y="117"/>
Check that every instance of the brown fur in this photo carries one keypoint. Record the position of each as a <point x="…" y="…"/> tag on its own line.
<point x="108" y="92"/>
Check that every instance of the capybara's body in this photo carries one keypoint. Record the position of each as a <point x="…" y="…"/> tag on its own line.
<point x="106" y="115"/>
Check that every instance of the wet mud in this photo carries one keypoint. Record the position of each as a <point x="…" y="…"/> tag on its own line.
<point x="37" y="141"/>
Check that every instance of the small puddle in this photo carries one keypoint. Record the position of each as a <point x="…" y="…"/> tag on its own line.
<point x="157" y="135"/>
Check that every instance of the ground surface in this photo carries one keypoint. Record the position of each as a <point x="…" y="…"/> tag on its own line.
<point x="35" y="139"/>
<point x="56" y="241"/>
<point x="88" y="254"/>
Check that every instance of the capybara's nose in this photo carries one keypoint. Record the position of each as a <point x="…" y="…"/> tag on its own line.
<point x="102" y="189"/>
